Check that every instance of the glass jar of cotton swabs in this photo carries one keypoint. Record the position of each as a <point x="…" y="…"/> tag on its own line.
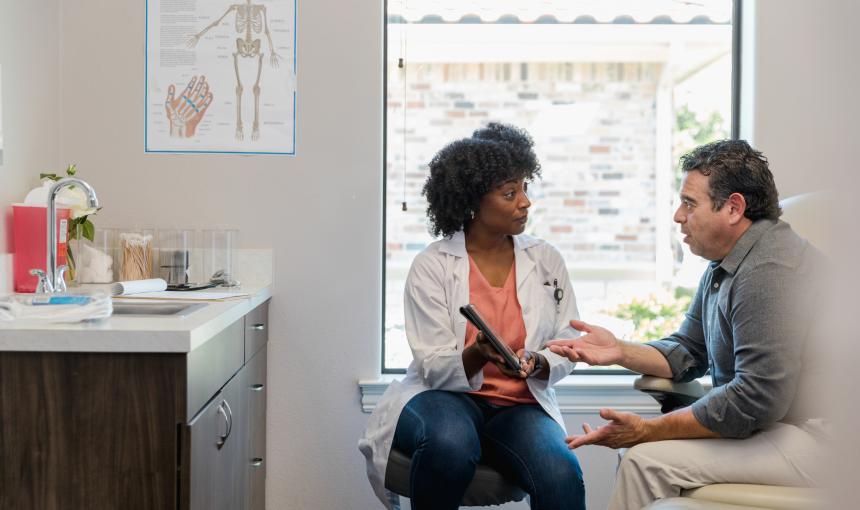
<point x="136" y="254"/>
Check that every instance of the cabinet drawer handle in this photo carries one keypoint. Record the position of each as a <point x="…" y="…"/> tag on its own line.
<point x="257" y="387"/>
<point x="258" y="327"/>
<point x="225" y="411"/>
<point x="257" y="461"/>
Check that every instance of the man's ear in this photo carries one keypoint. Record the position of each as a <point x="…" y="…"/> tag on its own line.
<point x="737" y="205"/>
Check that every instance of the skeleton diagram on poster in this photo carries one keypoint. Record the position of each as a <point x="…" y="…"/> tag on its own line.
<point x="221" y="76"/>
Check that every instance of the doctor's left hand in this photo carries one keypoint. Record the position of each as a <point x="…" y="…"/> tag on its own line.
<point x="623" y="431"/>
<point x="490" y="355"/>
<point x="528" y="362"/>
<point x="527" y="365"/>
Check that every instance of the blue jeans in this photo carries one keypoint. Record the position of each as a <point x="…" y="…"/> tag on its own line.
<point x="447" y="434"/>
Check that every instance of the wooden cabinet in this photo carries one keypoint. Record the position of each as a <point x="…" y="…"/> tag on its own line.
<point x="182" y="431"/>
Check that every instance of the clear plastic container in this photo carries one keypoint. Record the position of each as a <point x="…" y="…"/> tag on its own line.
<point x="95" y="261"/>
<point x="220" y="248"/>
<point x="178" y="258"/>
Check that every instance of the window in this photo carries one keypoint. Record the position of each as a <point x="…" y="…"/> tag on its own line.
<point x="612" y="91"/>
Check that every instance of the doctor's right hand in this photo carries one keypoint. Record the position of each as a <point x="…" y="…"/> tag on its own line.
<point x="597" y="347"/>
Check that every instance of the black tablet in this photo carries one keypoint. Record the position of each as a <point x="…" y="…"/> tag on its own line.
<point x="471" y="313"/>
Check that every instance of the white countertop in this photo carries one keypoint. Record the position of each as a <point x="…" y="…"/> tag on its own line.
<point x="120" y="333"/>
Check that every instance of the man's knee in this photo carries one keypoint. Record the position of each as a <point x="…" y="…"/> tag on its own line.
<point x="641" y="457"/>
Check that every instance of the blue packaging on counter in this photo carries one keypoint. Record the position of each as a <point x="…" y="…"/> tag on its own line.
<point x="61" y="300"/>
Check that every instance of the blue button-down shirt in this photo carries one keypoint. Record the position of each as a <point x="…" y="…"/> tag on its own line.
<point x="748" y="323"/>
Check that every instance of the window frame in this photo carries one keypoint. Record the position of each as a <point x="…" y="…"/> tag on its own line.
<point x="734" y="134"/>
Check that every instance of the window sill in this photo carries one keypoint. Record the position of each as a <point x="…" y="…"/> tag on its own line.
<point x="577" y="394"/>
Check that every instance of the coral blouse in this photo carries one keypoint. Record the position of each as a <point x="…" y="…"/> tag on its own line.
<point x="501" y="310"/>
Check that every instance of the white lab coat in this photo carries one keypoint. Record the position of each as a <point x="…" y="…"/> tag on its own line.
<point x="437" y="285"/>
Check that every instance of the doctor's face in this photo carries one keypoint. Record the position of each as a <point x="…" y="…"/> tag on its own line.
<point x="505" y="208"/>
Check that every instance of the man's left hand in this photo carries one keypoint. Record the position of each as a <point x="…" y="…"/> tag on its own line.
<point x="623" y="431"/>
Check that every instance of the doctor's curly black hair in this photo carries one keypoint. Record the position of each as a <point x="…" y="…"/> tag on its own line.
<point x="465" y="170"/>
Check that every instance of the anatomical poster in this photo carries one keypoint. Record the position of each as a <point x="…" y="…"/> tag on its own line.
<point x="220" y="76"/>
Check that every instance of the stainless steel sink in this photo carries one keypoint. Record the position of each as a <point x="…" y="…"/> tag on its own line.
<point x="156" y="309"/>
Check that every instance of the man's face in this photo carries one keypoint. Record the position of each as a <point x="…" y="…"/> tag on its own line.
<point x="505" y="209"/>
<point x="705" y="230"/>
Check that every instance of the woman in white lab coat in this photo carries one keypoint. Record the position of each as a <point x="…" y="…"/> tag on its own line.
<point x="459" y="403"/>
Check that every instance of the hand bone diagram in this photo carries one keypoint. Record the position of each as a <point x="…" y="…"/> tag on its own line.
<point x="186" y="111"/>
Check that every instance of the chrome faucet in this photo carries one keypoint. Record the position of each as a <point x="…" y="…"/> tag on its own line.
<point x="51" y="279"/>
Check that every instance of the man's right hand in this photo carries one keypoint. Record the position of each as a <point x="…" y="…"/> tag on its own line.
<point x="598" y="346"/>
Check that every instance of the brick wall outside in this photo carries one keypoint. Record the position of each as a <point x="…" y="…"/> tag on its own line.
<point x="595" y="201"/>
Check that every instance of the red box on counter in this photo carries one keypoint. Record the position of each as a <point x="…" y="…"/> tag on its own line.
<point x="29" y="234"/>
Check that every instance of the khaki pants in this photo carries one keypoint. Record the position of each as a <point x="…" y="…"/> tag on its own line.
<point x="780" y="455"/>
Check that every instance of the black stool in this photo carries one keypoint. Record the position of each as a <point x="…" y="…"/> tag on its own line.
<point x="488" y="487"/>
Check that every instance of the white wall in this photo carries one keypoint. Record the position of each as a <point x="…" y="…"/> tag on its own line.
<point x="321" y="211"/>
<point x="806" y="111"/>
<point x="804" y="89"/>
<point x="29" y="59"/>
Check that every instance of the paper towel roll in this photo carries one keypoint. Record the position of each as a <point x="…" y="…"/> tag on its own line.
<point x="138" y="286"/>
